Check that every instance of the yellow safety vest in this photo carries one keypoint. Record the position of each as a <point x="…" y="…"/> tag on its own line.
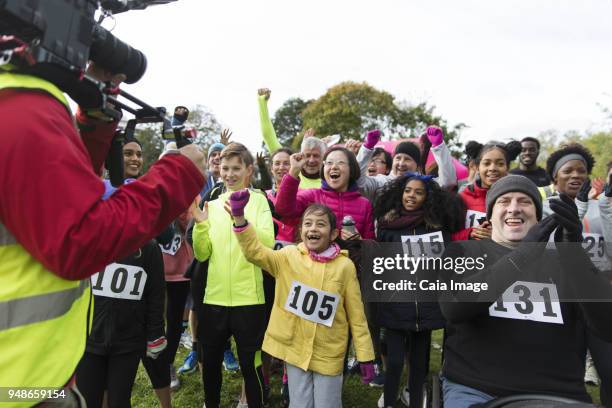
<point x="43" y="318"/>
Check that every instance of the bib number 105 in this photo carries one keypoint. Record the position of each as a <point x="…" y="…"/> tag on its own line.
<point x="312" y="304"/>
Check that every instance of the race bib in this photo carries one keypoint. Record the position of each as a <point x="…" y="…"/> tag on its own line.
<point x="281" y="244"/>
<point x="529" y="301"/>
<point x="312" y="304"/>
<point x="431" y="245"/>
<point x="474" y="218"/>
<point x="172" y="247"/>
<point x="119" y="281"/>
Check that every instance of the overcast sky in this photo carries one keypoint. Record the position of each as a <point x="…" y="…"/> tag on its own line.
<point x="505" y="68"/>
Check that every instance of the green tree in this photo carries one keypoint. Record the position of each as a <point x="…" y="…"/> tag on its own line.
<point x="598" y="143"/>
<point x="350" y="109"/>
<point x="288" y="120"/>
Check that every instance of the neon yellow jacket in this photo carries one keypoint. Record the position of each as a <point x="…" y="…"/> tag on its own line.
<point x="232" y="280"/>
<point x="311" y="346"/>
<point x="269" y="136"/>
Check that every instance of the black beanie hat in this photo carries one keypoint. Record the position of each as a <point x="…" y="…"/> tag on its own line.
<point x="410" y="149"/>
<point x="513" y="183"/>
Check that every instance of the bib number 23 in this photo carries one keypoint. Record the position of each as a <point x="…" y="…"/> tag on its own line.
<point x="312" y="304"/>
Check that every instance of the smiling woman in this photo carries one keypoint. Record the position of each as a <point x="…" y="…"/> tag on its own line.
<point x="132" y="159"/>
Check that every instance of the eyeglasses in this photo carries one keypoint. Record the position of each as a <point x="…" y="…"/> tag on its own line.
<point x="339" y="163"/>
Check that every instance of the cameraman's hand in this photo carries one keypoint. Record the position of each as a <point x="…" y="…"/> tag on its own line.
<point x="265" y="92"/>
<point x="197" y="214"/>
<point x="103" y="75"/>
<point x="195" y="154"/>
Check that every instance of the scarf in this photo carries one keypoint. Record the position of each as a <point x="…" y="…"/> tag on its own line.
<point x="328" y="255"/>
<point x="405" y="219"/>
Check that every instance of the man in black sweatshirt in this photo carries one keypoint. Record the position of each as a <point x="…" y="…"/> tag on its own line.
<point x="518" y="337"/>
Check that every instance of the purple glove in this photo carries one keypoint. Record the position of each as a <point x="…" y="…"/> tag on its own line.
<point x="367" y="372"/>
<point x="372" y="137"/>
<point x="435" y="135"/>
<point x="238" y="200"/>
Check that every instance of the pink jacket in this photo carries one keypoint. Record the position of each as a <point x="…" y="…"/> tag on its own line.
<point x="287" y="227"/>
<point x="291" y="203"/>
<point x="178" y="255"/>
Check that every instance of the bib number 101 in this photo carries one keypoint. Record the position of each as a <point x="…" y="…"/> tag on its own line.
<point x="312" y="304"/>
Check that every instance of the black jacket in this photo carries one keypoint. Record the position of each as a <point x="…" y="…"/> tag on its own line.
<point x="508" y="354"/>
<point x="414" y="316"/>
<point x="123" y="323"/>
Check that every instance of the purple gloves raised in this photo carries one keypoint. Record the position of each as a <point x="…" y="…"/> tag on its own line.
<point x="367" y="372"/>
<point x="238" y="200"/>
<point x="435" y="135"/>
<point x="372" y="138"/>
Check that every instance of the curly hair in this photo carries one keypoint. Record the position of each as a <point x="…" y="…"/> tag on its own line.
<point x="442" y="209"/>
<point x="572" y="148"/>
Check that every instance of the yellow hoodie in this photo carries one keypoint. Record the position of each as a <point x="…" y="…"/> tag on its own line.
<point x="300" y="342"/>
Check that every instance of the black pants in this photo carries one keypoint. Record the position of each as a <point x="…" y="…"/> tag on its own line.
<point x="113" y="373"/>
<point x="158" y="370"/>
<point x="247" y="324"/>
<point x="418" y="345"/>
<point x="601" y="351"/>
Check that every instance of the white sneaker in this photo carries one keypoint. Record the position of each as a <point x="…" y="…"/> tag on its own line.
<point x="186" y="340"/>
<point x="590" y="374"/>
<point x="381" y="401"/>
<point x="405" y="396"/>
<point x="242" y="405"/>
<point x="174" y="381"/>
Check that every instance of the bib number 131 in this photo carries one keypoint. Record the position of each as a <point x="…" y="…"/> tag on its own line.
<point x="312" y="304"/>
<point x="529" y="301"/>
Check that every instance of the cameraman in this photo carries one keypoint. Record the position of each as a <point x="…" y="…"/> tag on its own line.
<point x="55" y="231"/>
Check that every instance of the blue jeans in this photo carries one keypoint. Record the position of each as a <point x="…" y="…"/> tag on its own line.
<point x="461" y="396"/>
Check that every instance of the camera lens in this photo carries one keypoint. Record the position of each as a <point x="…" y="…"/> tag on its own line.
<point x="114" y="55"/>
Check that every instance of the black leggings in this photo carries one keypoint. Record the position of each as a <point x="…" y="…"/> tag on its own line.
<point x="418" y="344"/>
<point x="247" y="324"/>
<point x="113" y="373"/>
<point x="601" y="351"/>
<point x="158" y="370"/>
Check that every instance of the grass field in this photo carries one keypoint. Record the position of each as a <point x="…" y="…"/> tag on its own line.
<point x="355" y="394"/>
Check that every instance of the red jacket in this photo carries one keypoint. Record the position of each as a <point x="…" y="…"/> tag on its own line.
<point x="291" y="203"/>
<point x="474" y="197"/>
<point x="50" y="195"/>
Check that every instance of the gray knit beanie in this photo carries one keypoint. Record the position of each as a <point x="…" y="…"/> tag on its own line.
<point x="513" y="183"/>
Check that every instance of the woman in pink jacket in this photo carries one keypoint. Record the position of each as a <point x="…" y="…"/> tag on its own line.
<point x="338" y="191"/>
<point x="280" y="164"/>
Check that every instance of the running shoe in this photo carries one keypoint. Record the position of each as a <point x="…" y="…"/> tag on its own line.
<point x="405" y="396"/>
<point x="590" y="374"/>
<point x="174" y="381"/>
<point x="379" y="380"/>
<point x="229" y="361"/>
<point x="190" y="364"/>
<point x="186" y="340"/>
<point x="381" y="401"/>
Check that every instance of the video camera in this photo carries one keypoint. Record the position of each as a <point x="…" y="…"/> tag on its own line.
<point x="54" y="40"/>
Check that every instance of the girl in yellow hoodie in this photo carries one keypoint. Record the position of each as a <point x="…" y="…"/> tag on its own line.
<point x="317" y="300"/>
